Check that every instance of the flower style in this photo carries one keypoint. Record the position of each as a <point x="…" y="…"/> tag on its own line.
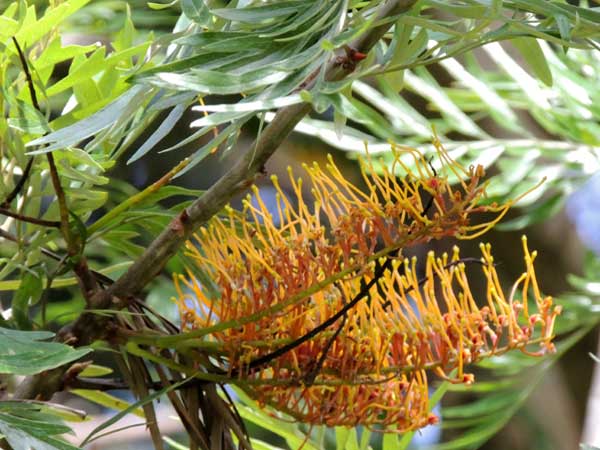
<point x="335" y="327"/>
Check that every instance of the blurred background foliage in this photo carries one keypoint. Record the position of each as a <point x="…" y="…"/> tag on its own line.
<point x="128" y="89"/>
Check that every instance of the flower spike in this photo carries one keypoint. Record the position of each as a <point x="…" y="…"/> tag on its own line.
<point x="334" y="326"/>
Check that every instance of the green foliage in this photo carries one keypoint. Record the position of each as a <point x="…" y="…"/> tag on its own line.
<point x="512" y="378"/>
<point x="22" y="352"/>
<point x="25" y="427"/>
<point x="564" y="111"/>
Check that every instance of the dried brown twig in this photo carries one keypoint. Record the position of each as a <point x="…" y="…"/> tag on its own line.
<point x="86" y="278"/>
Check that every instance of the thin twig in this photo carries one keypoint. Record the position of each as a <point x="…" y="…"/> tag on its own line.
<point x="62" y="205"/>
<point x="64" y="212"/>
<point x="100" y="277"/>
<point x="19" y="186"/>
<point x="86" y="278"/>
<point x="309" y="379"/>
<point x="25" y="66"/>
<point x="28" y="219"/>
<point x="54" y="174"/>
<point x="99" y="384"/>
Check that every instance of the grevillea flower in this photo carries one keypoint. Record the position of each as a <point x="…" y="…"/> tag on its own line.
<point x="281" y="287"/>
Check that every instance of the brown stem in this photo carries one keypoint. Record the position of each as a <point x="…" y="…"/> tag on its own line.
<point x="25" y="66"/>
<point x="87" y="281"/>
<point x="85" y="277"/>
<point x="35" y="221"/>
<point x="62" y="204"/>
<point x="241" y="175"/>
<point x="19" y="186"/>
<point x="89" y="327"/>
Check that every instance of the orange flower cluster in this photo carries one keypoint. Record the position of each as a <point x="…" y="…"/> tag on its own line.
<point x="279" y="284"/>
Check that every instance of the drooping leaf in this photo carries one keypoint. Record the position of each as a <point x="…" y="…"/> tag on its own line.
<point x="165" y="128"/>
<point x="71" y="135"/>
<point x="534" y="57"/>
<point x="25" y="428"/>
<point x="107" y="400"/>
<point x="26" y="353"/>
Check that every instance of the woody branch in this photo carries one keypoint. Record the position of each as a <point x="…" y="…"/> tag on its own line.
<point x="89" y="327"/>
